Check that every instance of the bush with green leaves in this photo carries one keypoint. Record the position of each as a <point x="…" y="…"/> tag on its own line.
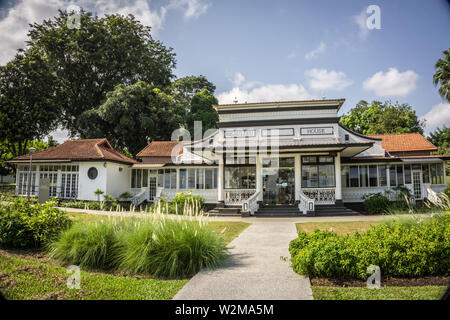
<point x="159" y="246"/>
<point x="27" y="224"/>
<point x="376" y="203"/>
<point x="186" y="199"/>
<point x="408" y="248"/>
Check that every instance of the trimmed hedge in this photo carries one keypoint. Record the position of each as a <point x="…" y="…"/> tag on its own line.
<point x="400" y="249"/>
<point x="27" y="224"/>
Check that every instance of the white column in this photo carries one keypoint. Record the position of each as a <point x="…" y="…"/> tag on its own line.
<point x="298" y="177"/>
<point x="337" y="167"/>
<point x="220" y="181"/>
<point x="259" y="180"/>
<point x="388" y="176"/>
<point x="444" y="173"/>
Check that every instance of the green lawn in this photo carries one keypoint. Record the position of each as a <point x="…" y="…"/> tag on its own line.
<point x="384" y="293"/>
<point x="232" y="228"/>
<point x="30" y="279"/>
<point x="27" y="279"/>
<point x="338" y="227"/>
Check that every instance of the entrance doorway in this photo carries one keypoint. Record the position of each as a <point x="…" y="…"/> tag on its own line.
<point x="278" y="181"/>
<point x="152" y="185"/>
<point x="417" y="185"/>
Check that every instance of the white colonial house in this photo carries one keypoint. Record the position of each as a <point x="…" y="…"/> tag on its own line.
<point x="265" y="158"/>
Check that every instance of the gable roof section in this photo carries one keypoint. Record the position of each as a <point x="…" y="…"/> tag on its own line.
<point x="159" y="149"/>
<point x="404" y="142"/>
<point x="79" y="150"/>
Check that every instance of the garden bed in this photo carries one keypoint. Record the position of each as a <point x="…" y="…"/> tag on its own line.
<point x="386" y="282"/>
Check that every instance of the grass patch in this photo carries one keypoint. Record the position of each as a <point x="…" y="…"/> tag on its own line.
<point x="384" y="293"/>
<point x="26" y="279"/>
<point x="344" y="227"/>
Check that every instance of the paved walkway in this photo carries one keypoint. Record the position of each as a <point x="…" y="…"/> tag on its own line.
<point x="254" y="269"/>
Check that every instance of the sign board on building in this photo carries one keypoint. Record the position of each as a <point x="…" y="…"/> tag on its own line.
<point x="277" y="132"/>
<point x="239" y="133"/>
<point x="316" y="131"/>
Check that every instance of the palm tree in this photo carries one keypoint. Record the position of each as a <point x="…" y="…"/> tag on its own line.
<point x="442" y="75"/>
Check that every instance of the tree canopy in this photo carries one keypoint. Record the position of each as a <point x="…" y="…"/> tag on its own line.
<point x="133" y="115"/>
<point x="202" y="110"/>
<point x="89" y="61"/>
<point x="107" y="78"/>
<point x="442" y="75"/>
<point x="382" y="118"/>
<point x="27" y="109"/>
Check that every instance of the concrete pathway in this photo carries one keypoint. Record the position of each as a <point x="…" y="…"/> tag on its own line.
<point x="254" y="269"/>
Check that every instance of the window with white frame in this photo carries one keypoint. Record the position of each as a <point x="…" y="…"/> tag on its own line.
<point x="433" y="173"/>
<point x="198" y="178"/>
<point x="399" y="174"/>
<point x="139" y="178"/>
<point x="22" y="180"/>
<point x="69" y="181"/>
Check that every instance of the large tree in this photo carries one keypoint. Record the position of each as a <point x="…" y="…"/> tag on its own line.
<point x="382" y="118"/>
<point x="89" y="61"/>
<point x="134" y="115"/>
<point x="27" y="108"/>
<point x="201" y="109"/>
<point x="6" y="155"/>
<point x="442" y="75"/>
<point x="441" y="139"/>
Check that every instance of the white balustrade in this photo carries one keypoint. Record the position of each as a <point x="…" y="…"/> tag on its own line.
<point x="251" y="204"/>
<point x="321" y="195"/>
<point x="306" y="204"/>
<point x="237" y="196"/>
<point x="140" y="197"/>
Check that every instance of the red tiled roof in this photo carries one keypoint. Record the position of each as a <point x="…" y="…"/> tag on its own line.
<point x="73" y="150"/>
<point x="159" y="149"/>
<point x="404" y="142"/>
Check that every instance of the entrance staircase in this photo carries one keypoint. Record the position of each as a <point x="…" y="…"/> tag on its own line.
<point x="329" y="210"/>
<point x="278" y="211"/>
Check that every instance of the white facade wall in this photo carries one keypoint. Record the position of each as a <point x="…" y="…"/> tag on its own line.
<point x="86" y="186"/>
<point x="118" y="179"/>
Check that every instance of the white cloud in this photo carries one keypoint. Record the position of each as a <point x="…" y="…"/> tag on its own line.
<point x="15" y="24"/>
<point x="437" y="117"/>
<point x="322" y="79"/>
<point x="60" y="135"/>
<point x="392" y="83"/>
<point x="255" y="91"/>
<point x="320" y="49"/>
<point x="360" y="19"/>
<point x="193" y="8"/>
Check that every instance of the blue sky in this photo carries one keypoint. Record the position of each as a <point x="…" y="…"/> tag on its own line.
<point x="285" y="50"/>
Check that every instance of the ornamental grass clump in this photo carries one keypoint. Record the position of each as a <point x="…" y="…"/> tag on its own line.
<point x="88" y="245"/>
<point x="162" y="245"/>
<point x="172" y="248"/>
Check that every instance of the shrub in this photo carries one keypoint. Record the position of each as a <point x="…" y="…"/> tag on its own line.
<point x="407" y="248"/>
<point x="183" y="200"/>
<point x="27" y="224"/>
<point x="376" y="203"/>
